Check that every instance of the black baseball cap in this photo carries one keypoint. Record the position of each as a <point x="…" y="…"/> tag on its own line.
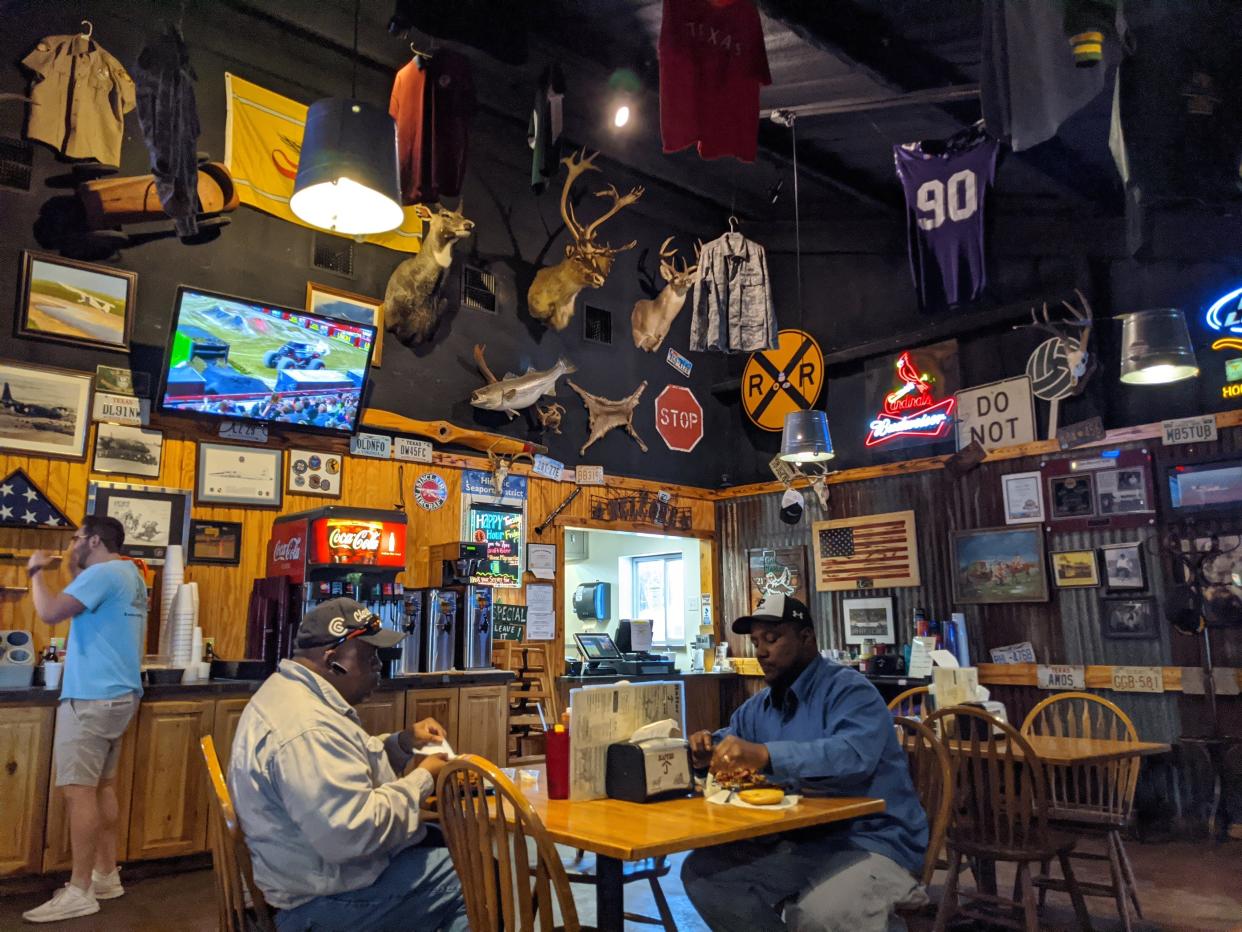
<point x="334" y="621"/>
<point x="775" y="608"/>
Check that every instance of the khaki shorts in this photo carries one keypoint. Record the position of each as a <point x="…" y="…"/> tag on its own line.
<point x="88" y="738"/>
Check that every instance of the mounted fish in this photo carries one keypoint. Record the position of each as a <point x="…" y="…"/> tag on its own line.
<point x="587" y="263"/>
<point x="652" y="318"/>
<point x="412" y="303"/>
<point x="512" y="393"/>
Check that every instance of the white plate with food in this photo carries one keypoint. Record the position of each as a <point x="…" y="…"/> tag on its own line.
<point x="747" y="790"/>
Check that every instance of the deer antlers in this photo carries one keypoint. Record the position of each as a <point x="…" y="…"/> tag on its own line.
<point x="1073" y="334"/>
<point x="668" y="261"/>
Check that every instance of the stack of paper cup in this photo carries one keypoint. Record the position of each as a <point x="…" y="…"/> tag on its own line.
<point x="182" y="642"/>
<point x="172" y="577"/>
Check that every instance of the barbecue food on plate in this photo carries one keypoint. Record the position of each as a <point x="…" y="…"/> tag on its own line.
<point x="740" y="778"/>
<point x="768" y="796"/>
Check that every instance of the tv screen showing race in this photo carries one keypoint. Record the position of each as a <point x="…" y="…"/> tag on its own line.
<point x="237" y="359"/>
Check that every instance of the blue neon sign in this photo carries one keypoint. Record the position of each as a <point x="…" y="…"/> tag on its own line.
<point x="1224" y="318"/>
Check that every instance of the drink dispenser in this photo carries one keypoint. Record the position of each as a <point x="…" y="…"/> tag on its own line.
<point x="414" y="616"/>
<point x="474" y="633"/>
<point x="440" y="629"/>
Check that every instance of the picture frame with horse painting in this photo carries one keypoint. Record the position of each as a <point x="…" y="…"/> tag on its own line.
<point x="999" y="565"/>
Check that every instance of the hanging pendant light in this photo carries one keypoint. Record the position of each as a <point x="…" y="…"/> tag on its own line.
<point x="1156" y="348"/>
<point x="805" y="438"/>
<point x="348" y="180"/>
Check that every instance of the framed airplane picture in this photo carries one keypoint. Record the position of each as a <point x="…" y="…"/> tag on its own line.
<point x="44" y="411"/>
<point x="76" y="302"/>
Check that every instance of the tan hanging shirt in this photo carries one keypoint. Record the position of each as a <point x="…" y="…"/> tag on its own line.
<point x="79" y="98"/>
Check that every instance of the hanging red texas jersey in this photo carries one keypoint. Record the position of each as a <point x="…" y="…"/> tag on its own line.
<point x="712" y="64"/>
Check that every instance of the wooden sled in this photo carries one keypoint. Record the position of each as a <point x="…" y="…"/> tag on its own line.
<point x="112" y="202"/>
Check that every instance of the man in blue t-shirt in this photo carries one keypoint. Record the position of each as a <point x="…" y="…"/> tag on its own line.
<point x="819" y="729"/>
<point x="107" y="602"/>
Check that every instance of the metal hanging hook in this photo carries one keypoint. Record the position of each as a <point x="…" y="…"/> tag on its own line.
<point x="88" y="30"/>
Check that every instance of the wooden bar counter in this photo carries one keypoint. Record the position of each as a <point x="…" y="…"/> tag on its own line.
<point x="161" y="782"/>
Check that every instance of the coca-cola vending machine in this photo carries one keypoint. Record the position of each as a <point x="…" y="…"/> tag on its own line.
<point x="328" y="553"/>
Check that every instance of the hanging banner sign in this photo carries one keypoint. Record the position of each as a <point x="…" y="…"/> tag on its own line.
<point x="414" y="451"/>
<point x="911" y="410"/>
<point x="478" y="482"/>
<point x="1061" y="676"/>
<point x="1001" y="414"/>
<point x="548" y="468"/>
<point x="376" y="446"/>
<point x="780" y="381"/>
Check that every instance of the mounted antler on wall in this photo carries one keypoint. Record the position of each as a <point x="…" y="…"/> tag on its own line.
<point x="607" y="414"/>
<point x="501" y="466"/>
<point x="652" y="318"/>
<point x="412" y="303"/>
<point x="587" y="262"/>
<point x="1074" y="336"/>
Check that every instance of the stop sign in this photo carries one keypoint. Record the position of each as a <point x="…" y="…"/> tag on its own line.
<point x="679" y="418"/>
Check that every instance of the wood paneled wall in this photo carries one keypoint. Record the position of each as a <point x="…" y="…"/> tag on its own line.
<point x="368" y="483"/>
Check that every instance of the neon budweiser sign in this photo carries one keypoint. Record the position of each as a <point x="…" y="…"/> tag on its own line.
<point x="911" y="410"/>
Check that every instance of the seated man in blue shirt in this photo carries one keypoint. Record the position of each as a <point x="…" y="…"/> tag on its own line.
<point x="819" y="729"/>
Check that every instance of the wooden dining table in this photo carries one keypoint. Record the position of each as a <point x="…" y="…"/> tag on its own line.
<point x="1068" y="752"/>
<point x="617" y="831"/>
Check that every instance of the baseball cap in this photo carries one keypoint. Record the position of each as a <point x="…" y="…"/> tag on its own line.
<point x="336" y="619"/>
<point x="791" y="506"/>
<point x="775" y="608"/>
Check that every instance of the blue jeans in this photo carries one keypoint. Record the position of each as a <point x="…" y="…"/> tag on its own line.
<point x="418" y="890"/>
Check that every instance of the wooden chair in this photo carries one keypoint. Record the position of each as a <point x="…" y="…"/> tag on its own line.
<point x="487" y="823"/>
<point x="231" y="859"/>
<point x="1000" y="813"/>
<point x="931" y="771"/>
<point x="913" y="703"/>
<point x="1091" y="799"/>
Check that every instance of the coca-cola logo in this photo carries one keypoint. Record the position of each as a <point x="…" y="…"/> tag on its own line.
<point x="287" y="551"/>
<point x="359" y="539"/>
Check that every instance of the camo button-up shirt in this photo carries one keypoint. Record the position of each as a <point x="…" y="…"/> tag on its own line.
<point x="731" y="304"/>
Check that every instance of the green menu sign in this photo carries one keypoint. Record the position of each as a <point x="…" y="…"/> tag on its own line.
<point x="508" y="622"/>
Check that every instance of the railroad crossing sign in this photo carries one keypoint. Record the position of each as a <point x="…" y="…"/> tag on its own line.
<point x="679" y="418"/>
<point x="779" y="381"/>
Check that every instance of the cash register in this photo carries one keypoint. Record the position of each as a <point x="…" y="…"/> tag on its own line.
<point x="602" y="656"/>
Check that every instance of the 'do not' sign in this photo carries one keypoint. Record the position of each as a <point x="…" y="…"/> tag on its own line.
<point x="779" y="381"/>
<point x="1000" y="414"/>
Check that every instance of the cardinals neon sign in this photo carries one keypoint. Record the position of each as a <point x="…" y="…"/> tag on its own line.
<point x="1225" y="316"/>
<point x="911" y="410"/>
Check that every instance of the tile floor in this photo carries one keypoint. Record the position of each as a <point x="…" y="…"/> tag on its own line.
<point x="1185" y="886"/>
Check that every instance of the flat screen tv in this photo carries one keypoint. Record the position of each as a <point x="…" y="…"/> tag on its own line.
<point x="1209" y="486"/>
<point x="235" y="359"/>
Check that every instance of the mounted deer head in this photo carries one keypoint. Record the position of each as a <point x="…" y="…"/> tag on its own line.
<point x="652" y="318"/>
<point x="412" y="302"/>
<point x="501" y="466"/>
<point x="1074" y="335"/>
<point x="587" y="262"/>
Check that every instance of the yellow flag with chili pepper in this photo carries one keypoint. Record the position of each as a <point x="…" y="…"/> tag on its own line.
<point x="262" y="140"/>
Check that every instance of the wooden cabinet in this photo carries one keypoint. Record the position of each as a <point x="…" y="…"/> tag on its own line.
<point x="384" y="712"/>
<point x="224" y="727"/>
<point x="57" y="854"/>
<point x="440" y="704"/>
<point x="25" y="759"/>
<point x="169" y="815"/>
<point x="483" y="723"/>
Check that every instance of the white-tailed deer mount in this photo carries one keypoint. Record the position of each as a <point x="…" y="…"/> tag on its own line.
<point x="652" y="318"/>
<point x="607" y="414"/>
<point x="587" y="262"/>
<point x="412" y="303"/>
<point x="515" y="392"/>
<point x="1073" y="334"/>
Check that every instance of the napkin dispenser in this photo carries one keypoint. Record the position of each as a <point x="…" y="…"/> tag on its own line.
<point x="643" y="771"/>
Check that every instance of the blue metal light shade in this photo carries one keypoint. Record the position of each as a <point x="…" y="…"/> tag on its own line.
<point x="805" y="438"/>
<point x="348" y="181"/>
<point x="1156" y="347"/>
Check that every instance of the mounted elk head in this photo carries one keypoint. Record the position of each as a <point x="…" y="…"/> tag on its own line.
<point x="652" y="318"/>
<point x="1074" y="335"/>
<point x="412" y="303"/>
<point x="587" y="262"/>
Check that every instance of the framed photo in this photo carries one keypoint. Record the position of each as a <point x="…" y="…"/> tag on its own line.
<point x="215" y="542"/>
<point x="44" y="411"/>
<point x="154" y="518"/>
<point x="314" y="473"/>
<point x="1024" y="498"/>
<point x="1122" y="491"/>
<point x="1129" y="618"/>
<point x="777" y="570"/>
<point x="75" y="302"/>
<point x="133" y="451"/>
<point x="1075" y="569"/>
<point x="868" y="619"/>
<point x="1123" y="566"/>
<point x="114" y="380"/>
<point x="345" y="305"/>
<point x="229" y="475"/>
<point x="998" y="565"/>
<point x="1072" y="496"/>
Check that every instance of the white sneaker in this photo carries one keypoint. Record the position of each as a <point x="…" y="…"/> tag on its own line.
<point x="107" y="886"/>
<point x="69" y="902"/>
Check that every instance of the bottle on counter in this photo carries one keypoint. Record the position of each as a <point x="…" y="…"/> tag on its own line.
<point x="556" y="747"/>
<point x="920" y="622"/>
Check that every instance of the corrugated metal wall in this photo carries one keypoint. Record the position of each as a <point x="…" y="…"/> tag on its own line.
<point x="1066" y="629"/>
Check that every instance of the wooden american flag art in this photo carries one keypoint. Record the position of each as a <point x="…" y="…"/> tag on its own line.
<point x="878" y="549"/>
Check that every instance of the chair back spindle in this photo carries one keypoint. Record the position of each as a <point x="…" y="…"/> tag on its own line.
<point x="932" y="774"/>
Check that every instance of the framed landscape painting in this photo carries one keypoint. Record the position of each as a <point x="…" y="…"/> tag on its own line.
<point x="345" y="305"/>
<point x="76" y="302"/>
<point x="44" y="411"/>
<point x="997" y="565"/>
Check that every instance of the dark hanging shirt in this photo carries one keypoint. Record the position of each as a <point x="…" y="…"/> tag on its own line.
<point x="433" y="103"/>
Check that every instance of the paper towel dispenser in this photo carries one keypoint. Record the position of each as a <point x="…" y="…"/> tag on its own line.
<point x="593" y="601"/>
